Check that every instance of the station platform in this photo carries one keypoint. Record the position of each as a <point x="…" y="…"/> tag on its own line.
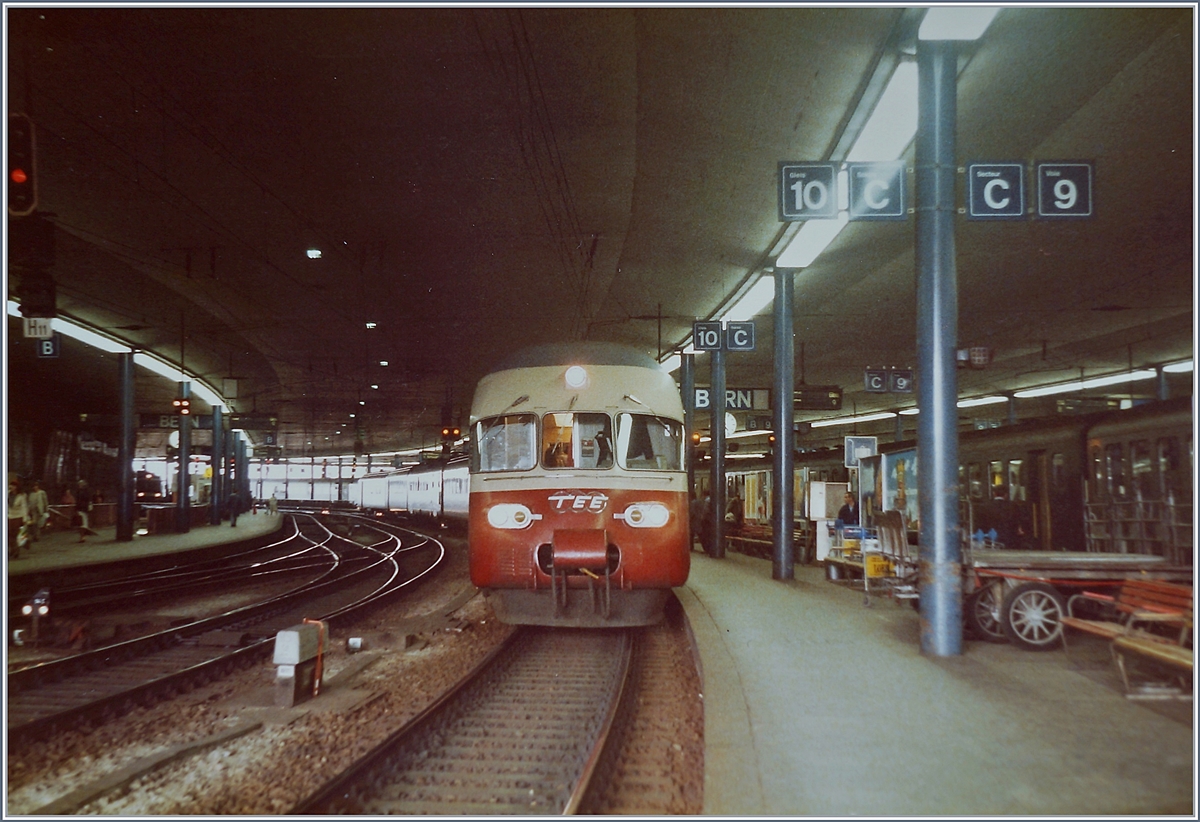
<point x="62" y="548"/>
<point x="816" y="704"/>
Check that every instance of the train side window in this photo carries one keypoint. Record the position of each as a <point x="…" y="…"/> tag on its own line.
<point x="505" y="443"/>
<point x="975" y="471"/>
<point x="997" y="481"/>
<point x="1058" y="472"/>
<point x="649" y="442"/>
<point x="1141" y="468"/>
<point x="1114" y="469"/>
<point x="1175" y="478"/>
<point x="1016" y="481"/>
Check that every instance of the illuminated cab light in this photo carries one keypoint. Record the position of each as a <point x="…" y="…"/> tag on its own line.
<point x="26" y="609"/>
<point x="645" y="515"/>
<point x="576" y="376"/>
<point x="511" y="516"/>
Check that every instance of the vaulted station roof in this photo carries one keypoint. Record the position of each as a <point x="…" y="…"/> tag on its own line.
<point x="481" y="179"/>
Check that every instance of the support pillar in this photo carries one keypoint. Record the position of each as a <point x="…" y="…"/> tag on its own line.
<point x="717" y="403"/>
<point x="183" y="503"/>
<point x="687" y="376"/>
<point x="937" y="327"/>
<point x="217" y="463"/>
<point x="126" y="449"/>
<point x="783" y="489"/>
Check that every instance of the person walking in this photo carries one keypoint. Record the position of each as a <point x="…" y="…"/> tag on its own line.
<point x="39" y="511"/>
<point x="273" y="504"/>
<point x="18" y="515"/>
<point x="235" y="508"/>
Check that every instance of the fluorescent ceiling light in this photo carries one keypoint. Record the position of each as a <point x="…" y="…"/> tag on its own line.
<point x="164" y="369"/>
<point x="760" y="295"/>
<point x="956" y="22"/>
<point x="1083" y="385"/>
<point x="672" y="363"/>
<point x="1183" y="367"/>
<point x="882" y="415"/>
<point x="812" y="238"/>
<point x="737" y="435"/>
<point x="893" y="123"/>
<point x="977" y="401"/>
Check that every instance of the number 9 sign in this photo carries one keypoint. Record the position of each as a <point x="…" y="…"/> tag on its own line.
<point x="1065" y="189"/>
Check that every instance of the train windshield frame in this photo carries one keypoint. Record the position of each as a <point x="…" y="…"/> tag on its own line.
<point x="505" y="443"/>
<point x="576" y="439"/>
<point x="647" y="442"/>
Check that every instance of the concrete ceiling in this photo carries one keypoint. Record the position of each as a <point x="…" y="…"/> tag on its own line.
<point x="480" y="179"/>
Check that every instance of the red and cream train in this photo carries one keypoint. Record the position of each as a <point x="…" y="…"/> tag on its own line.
<point x="576" y="488"/>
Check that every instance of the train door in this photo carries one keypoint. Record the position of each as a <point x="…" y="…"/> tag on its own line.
<point x="1039" y="499"/>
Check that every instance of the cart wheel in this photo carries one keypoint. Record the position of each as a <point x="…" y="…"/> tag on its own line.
<point x="982" y="613"/>
<point x="1032" y="616"/>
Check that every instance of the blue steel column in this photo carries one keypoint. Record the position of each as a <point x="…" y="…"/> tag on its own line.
<point x="125" y="450"/>
<point x="183" y="504"/>
<point x="937" y="329"/>
<point x="217" y="463"/>
<point x="717" y="404"/>
<point x="783" y="506"/>
<point x="687" y="377"/>
<point x="1160" y="381"/>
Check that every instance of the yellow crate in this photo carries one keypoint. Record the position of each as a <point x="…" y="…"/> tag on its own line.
<point x="878" y="566"/>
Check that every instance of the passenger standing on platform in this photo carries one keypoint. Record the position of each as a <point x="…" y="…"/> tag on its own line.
<point x="849" y="512"/>
<point x="83" y="504"/>
<point x="18" y="515"/>
<point x="39" y="511"/>
<point x="706" y="523"/>
<point x="273" y="504"/>
<point x="235" y="508"/>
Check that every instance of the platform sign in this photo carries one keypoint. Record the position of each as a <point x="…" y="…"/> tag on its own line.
<point x="818" y="398"/>
<point x="38" y="328"/>
<point x="1065" y="189"/>
<point x="247" y="422"/>
<point x="875" y="381"/>
<point x="707" y="336"/>
<point x="996" y="191"/>
<point x="736" y="399"/>
<point x="900" y="381"/>
<point x="49" y="348"/>
<point x="877" y="191"/>
<point x="807" y="191"/>
<point x="739" y="336"/>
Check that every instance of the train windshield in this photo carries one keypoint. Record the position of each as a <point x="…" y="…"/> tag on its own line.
<point x="505" y="443"/>
<point x="649" y="442"/>
<point x="571" y="440"/>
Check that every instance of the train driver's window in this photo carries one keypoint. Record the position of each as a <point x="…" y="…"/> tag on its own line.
<point x="558" y="443"/>
<point x="505" y="443"/>
<point x="975" y="472"/>
<point x="649" y="442"/>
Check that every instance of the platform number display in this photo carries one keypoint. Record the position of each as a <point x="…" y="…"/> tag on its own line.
<point x="1065" y="189"/>
<point x="707" y="336"/>
<point x="807" y="191"/>
<point x="49" y="348"/>
<point x="739" y="336"/>
<point x="996" y="191"/>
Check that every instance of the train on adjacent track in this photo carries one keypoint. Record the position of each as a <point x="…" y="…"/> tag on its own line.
<point x="1116" y="481"/>
<point x="575" y="490"/>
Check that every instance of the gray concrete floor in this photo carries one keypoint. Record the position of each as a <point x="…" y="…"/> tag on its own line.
<point x="817" y="705"/>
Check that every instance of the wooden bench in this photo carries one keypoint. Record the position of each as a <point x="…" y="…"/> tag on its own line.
<point x="1149" y="619"/>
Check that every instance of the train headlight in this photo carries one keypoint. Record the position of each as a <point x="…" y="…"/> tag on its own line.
<point x="576" y="376"/>
<point x="511" y="515"/>
<point x="645" y="515"/>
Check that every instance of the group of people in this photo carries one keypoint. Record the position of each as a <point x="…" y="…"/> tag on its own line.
<point x="28" y="512"/>
<point x="700" y="514"/>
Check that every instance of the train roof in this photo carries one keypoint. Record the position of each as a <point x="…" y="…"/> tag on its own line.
<point x="577" y="353"/>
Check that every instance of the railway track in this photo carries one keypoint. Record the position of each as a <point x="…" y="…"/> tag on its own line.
<point x="521" y="737"/>
<point x="96" y="686"/>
